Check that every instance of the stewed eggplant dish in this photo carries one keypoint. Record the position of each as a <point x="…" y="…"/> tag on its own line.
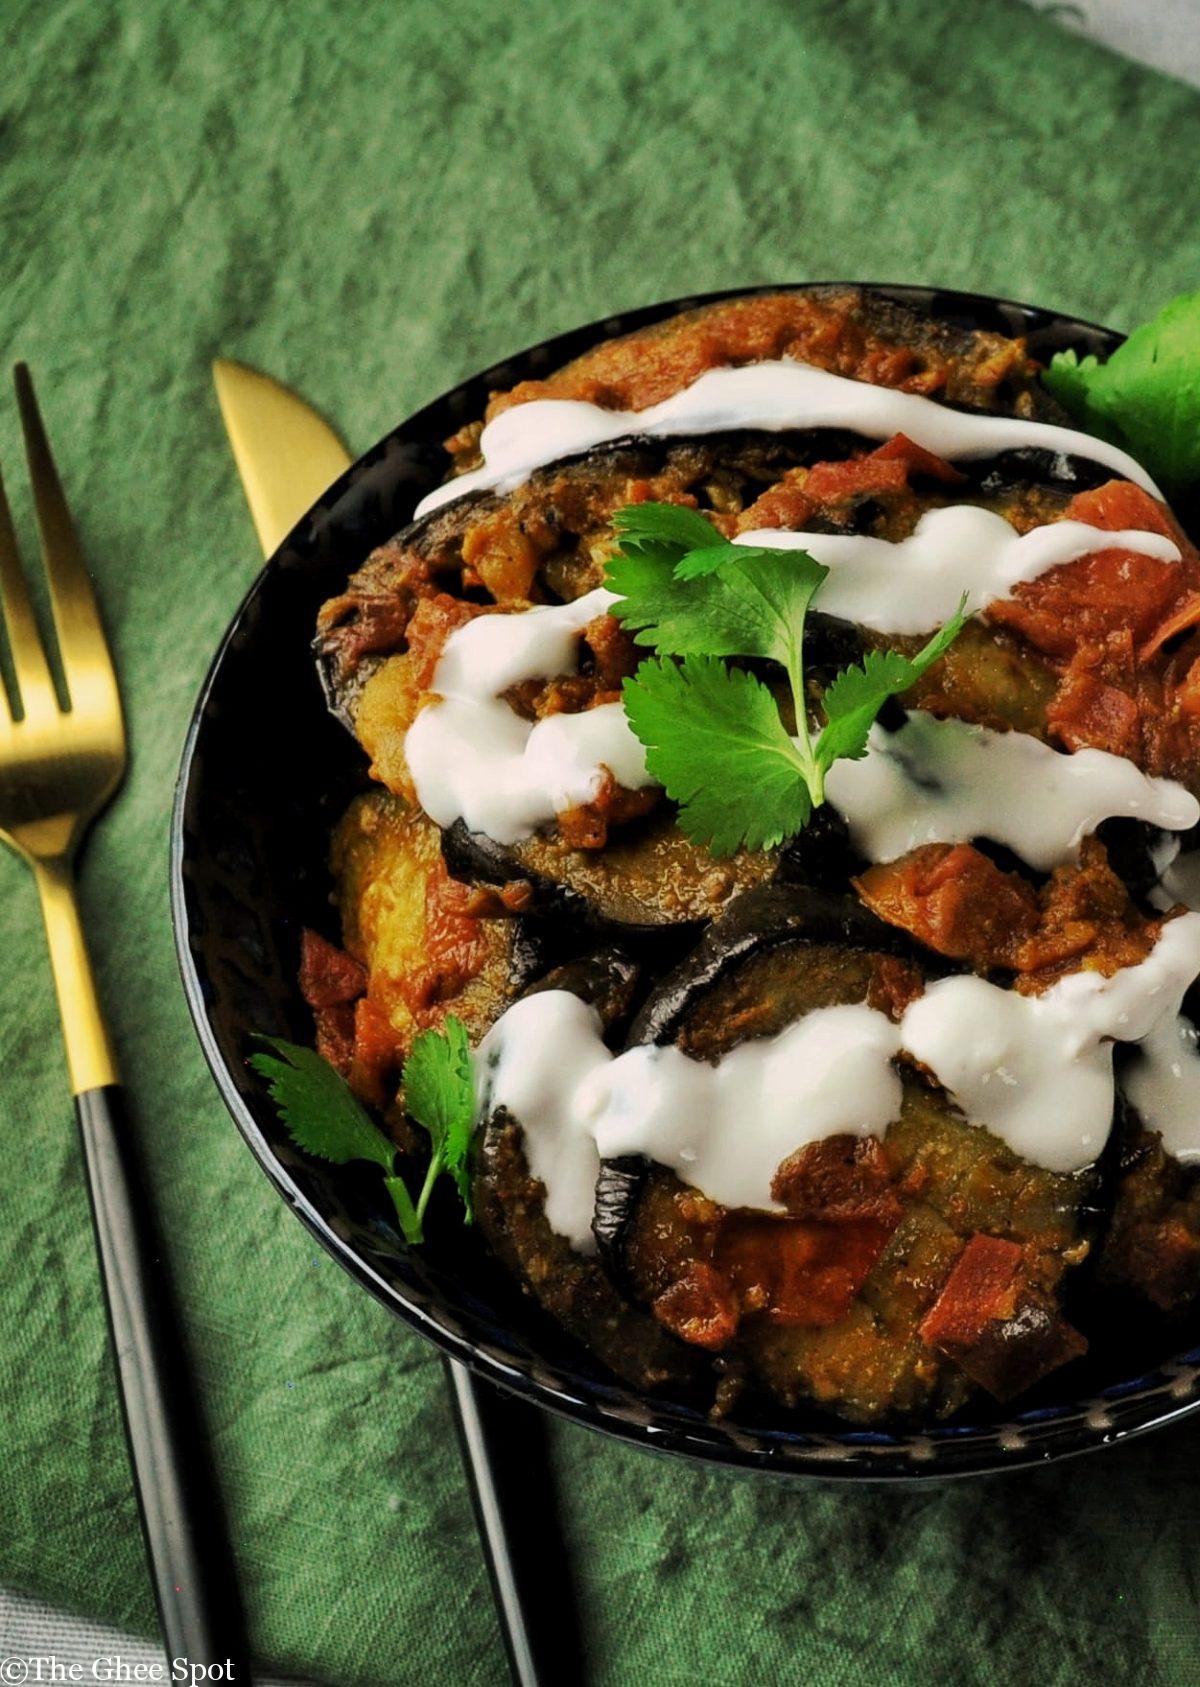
<point x="770" y="894"/>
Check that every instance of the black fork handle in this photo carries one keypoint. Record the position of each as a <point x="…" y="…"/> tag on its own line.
<point x="506" y="1458"/>
<point x="193" y="1580"/>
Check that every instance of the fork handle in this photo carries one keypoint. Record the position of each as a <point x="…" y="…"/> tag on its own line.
<point x="506" y="1458"/>
<point x="189" y="1566"/>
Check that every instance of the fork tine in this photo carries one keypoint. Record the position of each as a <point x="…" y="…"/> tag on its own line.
<point x="87" y="664"/>
<point x="34" y="685"/>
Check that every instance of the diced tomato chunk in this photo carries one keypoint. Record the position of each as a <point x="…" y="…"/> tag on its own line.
<point x="454" y="946"/>
<point x="1118" y="505"/>
<point x="1106" y="592"/>
<point x="700" y="1307"/>
<point x="980" y="1288"/>
<point x="877" y="473"/>
<point x="918" y="459"/>
<point x="955" y="900"/>
<point x="328" y="975"/>
<point x="801" y="1272"/>
<point x="1088" y="713"/>
<point x="434" y="619"/>
<point x="1002" y="1333"/>
<point x="335" y="1035"/>
<point x="378" y="1056"/>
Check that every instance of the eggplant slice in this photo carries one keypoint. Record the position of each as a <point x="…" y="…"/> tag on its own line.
<point x="849" y="330"/>
<point x="647" y="874"/>
<point x="425" y="954"/>
<point x="649" y="879"/>
<point x="840" y="1305"/>
<point x="575" y="1289"/>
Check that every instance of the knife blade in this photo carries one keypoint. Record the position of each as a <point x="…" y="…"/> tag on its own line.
<point x="287" y="456"/>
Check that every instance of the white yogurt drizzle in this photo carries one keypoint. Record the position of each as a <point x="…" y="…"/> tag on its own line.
<point x="944" y="781"/>
<point x="471" y="756"/>
<point x="1037" y="1071"/>
<point x="773" y="396"/>
<point x="915" y="584"/>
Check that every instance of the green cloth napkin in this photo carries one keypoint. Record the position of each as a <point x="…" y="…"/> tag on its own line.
<point x="372" y="200"/>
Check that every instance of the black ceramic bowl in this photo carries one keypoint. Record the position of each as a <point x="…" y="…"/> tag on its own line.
<point x="266" y="771"/>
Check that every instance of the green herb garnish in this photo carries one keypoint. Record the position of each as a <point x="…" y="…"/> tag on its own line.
<point x="439" y="1093"/>
<point x="713" y="735"/>
<point x="325" y="1118"/>
<point x="1146" y="396"/>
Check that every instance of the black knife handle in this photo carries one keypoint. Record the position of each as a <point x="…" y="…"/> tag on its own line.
<point x="189" y="1565"/>
<point x="506" y="1456"/>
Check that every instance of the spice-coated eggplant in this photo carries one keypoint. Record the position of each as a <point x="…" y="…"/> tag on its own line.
<point x="418" y="946"/>
<point x="649" y="879"/>
<point x="575" y="1289"/>
<point x="897" y="1275"/>
<point x="619" y="859"/>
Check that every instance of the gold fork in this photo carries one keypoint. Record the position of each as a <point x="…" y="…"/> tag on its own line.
<point x="61" y="760"/>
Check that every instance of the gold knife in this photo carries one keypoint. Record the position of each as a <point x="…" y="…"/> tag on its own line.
<point x="287" y="456"/>
<point x="285" y="453"/>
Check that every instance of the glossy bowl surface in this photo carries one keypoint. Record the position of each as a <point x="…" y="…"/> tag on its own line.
<point x="265" y="773"/>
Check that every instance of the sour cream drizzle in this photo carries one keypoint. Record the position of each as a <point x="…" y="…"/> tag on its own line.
<point x="1037" y="1071"/>
<point x="915" y="584"/>
<point x="772" y="395"/>
<point x="943" y="781"/>
<point x="471" y="756"/>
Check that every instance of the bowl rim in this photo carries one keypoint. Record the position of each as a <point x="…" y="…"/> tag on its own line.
<point x="939" y="1452"/>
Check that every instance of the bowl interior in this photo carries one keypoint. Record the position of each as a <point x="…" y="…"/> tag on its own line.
<point x="267" y="771"/>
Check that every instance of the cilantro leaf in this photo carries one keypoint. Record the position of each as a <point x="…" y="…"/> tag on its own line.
<point x="1146" y="396"/>
<point x="321" y="1113"/>
<point x="662" y="532"/>
<point x="439" y="1093"/>
<point x="710" y="557"/>
<point x="715" y="741"/>
<point x="751" y="602"/>
<point x="1069" y="379"/>
<point x="325" y="1118"/>
<point x="713" y="735"/>
<point x="854" y="698"/>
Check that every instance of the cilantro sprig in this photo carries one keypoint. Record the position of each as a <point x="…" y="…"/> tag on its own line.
<point x="1146" y="396"/>
<point x="326" y="1119"/>
<point x="713" y="734"/>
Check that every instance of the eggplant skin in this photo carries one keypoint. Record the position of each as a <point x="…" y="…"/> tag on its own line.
<point x="607" y="979"/>
<point x="618" y="1190"/>
<point x="575" y="1290"/>
<point x="473" y="856"/>
<point x="825" y="323"/>
<point x="649" y="879"/>
<point x="509" y="1202"/>
<point x="1148" y="1262"/>
<point x="768" y="918"/>
<point x="773" y="917"/>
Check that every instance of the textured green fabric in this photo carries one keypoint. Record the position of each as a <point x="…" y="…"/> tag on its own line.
<point x="371" y="200"/>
